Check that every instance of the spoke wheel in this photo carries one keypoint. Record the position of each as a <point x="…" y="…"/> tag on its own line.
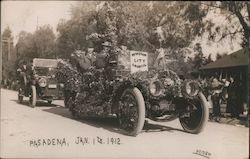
<point x="197" y="116"/>
<point x="132" y="111"/>
<point x="32" y="99"/>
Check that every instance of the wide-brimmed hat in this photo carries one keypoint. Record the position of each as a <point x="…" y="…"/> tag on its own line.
<point x="106" y="43"/>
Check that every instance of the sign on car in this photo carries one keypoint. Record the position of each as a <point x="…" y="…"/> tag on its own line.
<point x="138" y="61"/>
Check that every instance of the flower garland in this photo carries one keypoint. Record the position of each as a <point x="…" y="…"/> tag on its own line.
<point x="95" y="95"/>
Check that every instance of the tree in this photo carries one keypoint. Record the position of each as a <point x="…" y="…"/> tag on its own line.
<point x="139" y="25"/>
<point x="44" y="40"/>
<point x="199" y="59"/>
<point x="219" y="56"/>
<point x="72" y="33"/>
<point x="237" y="16"/>
<point x="144" y="26"/>
<point x="40" y="44"/>
<point x="8" y="54"/>
<point x="26" y="46"/>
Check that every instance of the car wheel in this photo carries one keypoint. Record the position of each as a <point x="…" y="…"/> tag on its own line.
<point x="195" y="120"/>
<point x="131" y="111"/>
<point x="32" y="99"/>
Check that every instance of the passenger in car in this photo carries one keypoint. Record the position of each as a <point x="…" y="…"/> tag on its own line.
<point x="87" y="60"/>
<point x="101" y="58"/>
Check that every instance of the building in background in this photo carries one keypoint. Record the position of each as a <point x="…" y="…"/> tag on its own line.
<point x="234" y="65"/>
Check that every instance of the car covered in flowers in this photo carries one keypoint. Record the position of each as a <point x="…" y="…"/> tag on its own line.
<point x="132" y="93"/>
<point x="42" y="84"/>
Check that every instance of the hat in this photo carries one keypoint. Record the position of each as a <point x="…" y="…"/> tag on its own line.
<point x="106" y="43"/>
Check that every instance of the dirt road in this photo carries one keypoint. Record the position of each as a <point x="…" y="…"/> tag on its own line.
<point x="50" y="132"/>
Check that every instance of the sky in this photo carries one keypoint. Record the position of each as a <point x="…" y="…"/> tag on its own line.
<point x="26" y="15"/>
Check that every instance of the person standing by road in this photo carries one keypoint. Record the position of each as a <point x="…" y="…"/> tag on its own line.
<point x="235" y="102"/>
<point x="216" y="94"/>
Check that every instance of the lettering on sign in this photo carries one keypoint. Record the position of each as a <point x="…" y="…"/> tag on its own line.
<point x="138" y="61"/>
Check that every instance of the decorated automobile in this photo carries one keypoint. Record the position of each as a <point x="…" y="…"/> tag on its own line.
<point x="132" y="91"/>
<point x="41" y="83"/>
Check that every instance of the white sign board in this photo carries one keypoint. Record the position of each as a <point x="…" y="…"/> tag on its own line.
<point x="138" y="61"/>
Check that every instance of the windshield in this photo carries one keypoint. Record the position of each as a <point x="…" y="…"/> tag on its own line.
<point x="38" y="62"/>
<point x="41" y="71"/>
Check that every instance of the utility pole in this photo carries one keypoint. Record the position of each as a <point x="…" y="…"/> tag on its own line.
<point x="9" y="41"/>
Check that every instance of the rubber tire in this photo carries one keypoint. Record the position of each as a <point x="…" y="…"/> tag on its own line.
<point x="204" y="118"/>
<point x="141" y="110"/>
<point x="33" y="102"/>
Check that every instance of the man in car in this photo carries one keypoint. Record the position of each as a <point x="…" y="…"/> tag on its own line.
<point x="101" y="58"/>
<point x="87" y="60"/>
<point x="91" y="56"/>
<point x="75" y="56"/>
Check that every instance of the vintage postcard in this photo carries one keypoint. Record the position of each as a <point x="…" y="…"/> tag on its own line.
<point x="125" y="79"/>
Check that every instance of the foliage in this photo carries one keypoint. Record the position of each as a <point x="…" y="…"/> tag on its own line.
<point x="7" y="33"/>
<point x="44" y="40"/>
<point x="8" y="63"/>
<point x="141" y="26"/>
<point x="26" y="46"/>
<point x="219" y="56"/>
<point x="144" y="26"/>
<point x="93" y="93"/>
<point x="39" y="44"/>
<point x="236" y="19"/>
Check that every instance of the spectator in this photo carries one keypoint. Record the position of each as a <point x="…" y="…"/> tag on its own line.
<point x="216" y="87"/>
<point x="235" y="102"/>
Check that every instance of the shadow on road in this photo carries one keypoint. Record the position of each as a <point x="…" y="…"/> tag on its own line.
<point x="38" y="103"/>
<point x="110" y="124"/>
<point x="152" y="127"/>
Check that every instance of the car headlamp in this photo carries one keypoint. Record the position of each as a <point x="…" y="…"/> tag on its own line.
<point x="42" y="82"/>
<point x="191" y="88"/>
<point x="155" y="88"/>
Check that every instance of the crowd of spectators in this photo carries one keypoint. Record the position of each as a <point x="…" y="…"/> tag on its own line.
<point x="226" y="91"/>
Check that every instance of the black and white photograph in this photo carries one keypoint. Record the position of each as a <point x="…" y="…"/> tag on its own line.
<point x="125" y="79"/>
